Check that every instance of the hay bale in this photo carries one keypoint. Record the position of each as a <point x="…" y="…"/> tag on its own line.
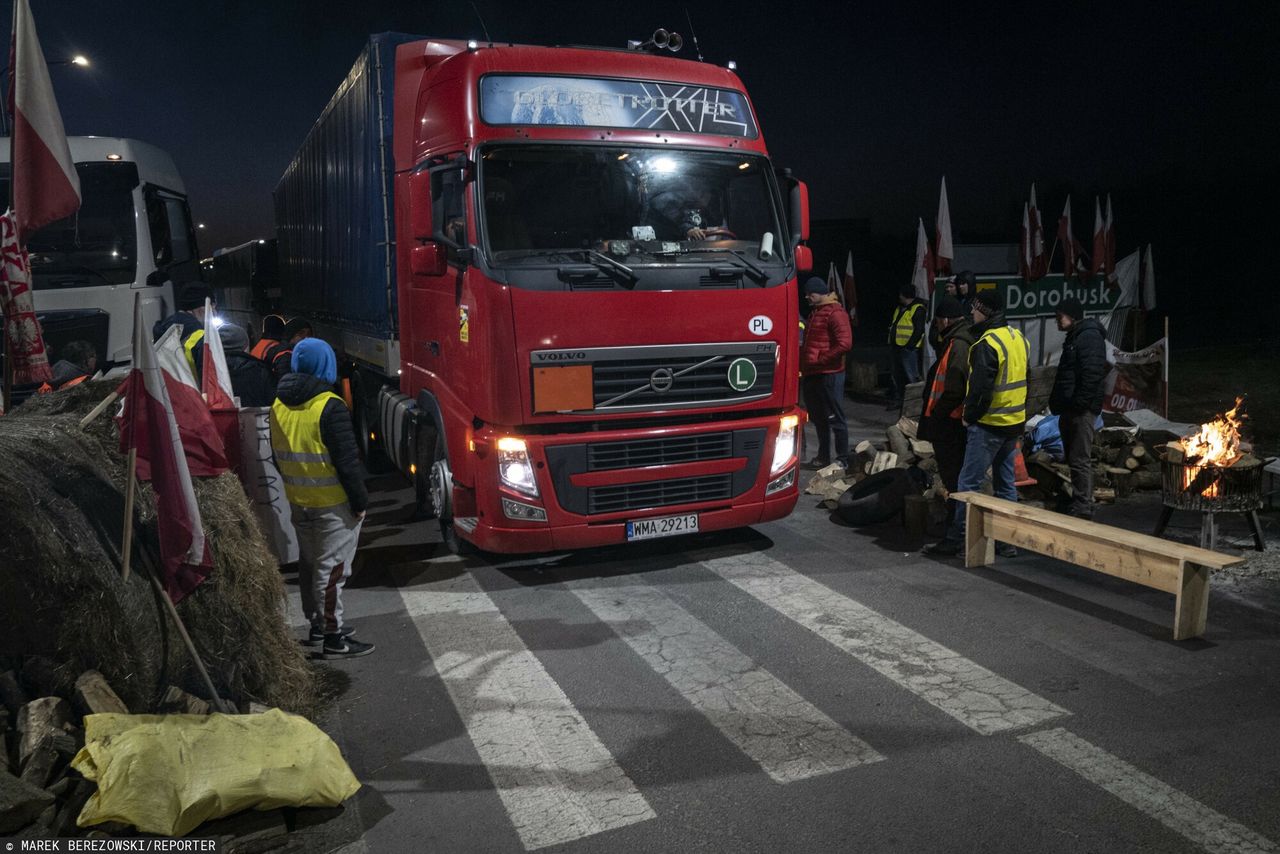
<point x="61" y="494"/>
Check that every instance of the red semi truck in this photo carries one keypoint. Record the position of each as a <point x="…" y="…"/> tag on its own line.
<point x="562" y="282"/>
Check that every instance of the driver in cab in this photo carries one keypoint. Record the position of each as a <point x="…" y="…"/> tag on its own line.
<point x="692" y="210"/>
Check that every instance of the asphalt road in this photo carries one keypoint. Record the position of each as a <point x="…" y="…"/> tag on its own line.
<point x="797" y="686"/>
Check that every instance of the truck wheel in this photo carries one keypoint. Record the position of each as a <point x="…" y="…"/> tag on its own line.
<point x="440" y="490"/>
<point x="425" y="454"/>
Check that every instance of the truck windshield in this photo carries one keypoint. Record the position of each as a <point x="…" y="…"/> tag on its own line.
<point x="638" y="205"/>
<point x="96" y="245"/>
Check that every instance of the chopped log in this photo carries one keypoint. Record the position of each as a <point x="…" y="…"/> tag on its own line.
<point x="865" y="449"/>
<point x="884" y="460"/>
<point x="1104" y="495"/>
<point x="179" y="701"/>
<point x="1132" y="464"/>
<point x="1173" y="452"/>
<point x="96" y="697"/>
<point x="1122" y="480"/>
<point x="41" y="717"/>
<point x="898" y="444"/>
<point x="38" y="768"/>
<point x="909" y="427"/>
<point x="1138" y="451"/>
<point x="920" y="447"/>
<point x="11" y="693"/>
<point x="1148" y="479"/>
<point x="20" y="803"/>
<point x="1110" y="456"/>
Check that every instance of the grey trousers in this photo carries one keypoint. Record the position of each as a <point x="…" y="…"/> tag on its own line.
<point x="1077" y="444"/>
<point x="327" y="540"/>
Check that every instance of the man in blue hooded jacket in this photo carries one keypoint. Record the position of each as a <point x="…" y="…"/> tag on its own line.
<point x="315" y="449"/>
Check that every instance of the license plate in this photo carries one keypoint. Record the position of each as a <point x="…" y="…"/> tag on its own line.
<point x="662" y="526"/>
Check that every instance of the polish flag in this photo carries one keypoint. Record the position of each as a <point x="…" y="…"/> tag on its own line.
<point x="216" y="376"/>
<point x="1070" y="246"/>
<point x="833" y="282"/>
<point x="149" y="425"/>
<point x="205" y="450"/>
<point x="1148" y="281"/>
<point x="21" y="331"/>
<point x="45" y="184"/>
<point x="922" y="276"/>
<point x="1109" y="240"/>
<point x="1039" y="259"/>
<point x="945" y="252"/>
<point x="1024" y="245"/>
<point x="1099" y="241"/>
<point x="850" y="291"/>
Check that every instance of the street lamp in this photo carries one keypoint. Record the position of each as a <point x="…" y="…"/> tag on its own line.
<point x="79" y="60"/>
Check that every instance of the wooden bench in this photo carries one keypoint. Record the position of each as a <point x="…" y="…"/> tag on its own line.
<point x="1150" y="561"/>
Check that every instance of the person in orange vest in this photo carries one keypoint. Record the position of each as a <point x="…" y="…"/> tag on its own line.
<point x="940" y="422"/>
<point x="78" y="362"/>
<point x="272" y="332"/>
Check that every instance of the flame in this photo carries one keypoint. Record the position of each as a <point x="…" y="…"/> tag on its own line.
<point x="1217" y="444"/>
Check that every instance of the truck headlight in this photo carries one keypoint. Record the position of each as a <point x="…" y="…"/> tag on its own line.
<point x="784" y="447"/>
<point x="514" y="466"/>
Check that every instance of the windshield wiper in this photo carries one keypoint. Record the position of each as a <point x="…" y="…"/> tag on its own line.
<point x="734" y="257"/>
<point x="598" y="259"/>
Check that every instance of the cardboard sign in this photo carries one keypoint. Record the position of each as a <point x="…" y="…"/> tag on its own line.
<point x="1137" y="380"/>
<point x="264" y="485"/>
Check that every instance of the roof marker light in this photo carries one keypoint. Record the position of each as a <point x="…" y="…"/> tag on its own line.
<point x="114" y="157"/>
<point x="473" y="44"/>
<point x="733" y="66"/>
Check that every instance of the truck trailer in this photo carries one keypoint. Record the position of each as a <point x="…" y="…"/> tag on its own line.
<point x="562" y="286"/>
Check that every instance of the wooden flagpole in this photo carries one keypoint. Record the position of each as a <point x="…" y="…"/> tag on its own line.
<point x="130" y="496"/>
<point x="99" y="409"/>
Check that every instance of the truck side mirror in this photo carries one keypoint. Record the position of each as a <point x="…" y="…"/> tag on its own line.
<point x="427" y="259"/>
<point x="804" y="260"/>
<point x="420" y="205"/>
<point x="799" y="212"/>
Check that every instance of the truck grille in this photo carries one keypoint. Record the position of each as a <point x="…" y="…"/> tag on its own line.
<point x="658" y="452"/>
<point x="640" y="496"/>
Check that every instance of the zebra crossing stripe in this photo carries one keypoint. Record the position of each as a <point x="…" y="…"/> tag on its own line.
<point x="1177" y="811"/>
<point x="556" y="779"/>
<point x="787" y="736"/>
<point x="970" y="693"/>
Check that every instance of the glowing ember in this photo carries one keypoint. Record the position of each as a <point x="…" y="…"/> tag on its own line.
<point x="1217" y="444"/>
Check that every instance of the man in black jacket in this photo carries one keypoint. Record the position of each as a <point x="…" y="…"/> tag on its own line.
<point x="944" y="391"/>
<point x="1077" y="398"/>
<point x="251" y="379"/>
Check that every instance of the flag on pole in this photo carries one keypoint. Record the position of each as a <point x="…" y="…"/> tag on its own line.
<point x="833" y="282"/>
<point x="850" y="291"/>
<point x="1148" y="281"/>
<point x="945" y="252"/>
<point x="214" y="373"/>
<point x="45" y="184"/>
<point x="1039" y="259"/>
<point x="1109" y="242"/>
<point x="922" y="276"/>
<point x="1070" y="246"/>
<point x="24" y="342"/>
<point x="150" y="426"/>
<point x="1024" y="245"/>
<point x="201" y="441"/>
<point x="1099" y="241"/>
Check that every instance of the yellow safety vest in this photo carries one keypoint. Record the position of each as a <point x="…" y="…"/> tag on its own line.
<point x="1009" y="396"/>
<point x="904" y="324"/>
<point x="189" y="347"/>
<point x="310" y="478"/>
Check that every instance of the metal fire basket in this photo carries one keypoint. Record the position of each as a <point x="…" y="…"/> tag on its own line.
<point x="1211" y="489"/>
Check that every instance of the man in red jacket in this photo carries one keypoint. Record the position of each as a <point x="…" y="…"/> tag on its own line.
<point x="827" y="339"/>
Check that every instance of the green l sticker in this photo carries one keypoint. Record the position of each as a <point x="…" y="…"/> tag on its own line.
<point x="742" y="374"/>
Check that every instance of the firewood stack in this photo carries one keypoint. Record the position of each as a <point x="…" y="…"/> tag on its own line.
<point x="1122" y="464"/>
<point x="901" y="449"/>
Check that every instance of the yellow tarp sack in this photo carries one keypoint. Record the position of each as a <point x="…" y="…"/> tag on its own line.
<point x="168" y="774"/>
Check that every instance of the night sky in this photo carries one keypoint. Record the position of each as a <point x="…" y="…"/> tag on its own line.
<point x="1172" y="107"/>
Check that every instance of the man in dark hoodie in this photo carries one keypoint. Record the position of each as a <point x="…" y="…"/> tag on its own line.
<point x="189" y="316"/>
<point x="1077" y="398"/>
<point x="945" y="387"/>
<point x="251" y="379"/>
<point x="315" y="450"/>
<point x="827" y="339"/>
<point x="995" y="408"/>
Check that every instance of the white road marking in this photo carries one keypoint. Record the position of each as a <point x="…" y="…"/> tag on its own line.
<point x="556" y="780"/>
<point x="963" y="689"/>
<point x="790" y="738"/>
<point x="1179" y="812"/>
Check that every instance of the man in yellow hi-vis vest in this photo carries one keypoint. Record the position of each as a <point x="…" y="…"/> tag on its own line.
<point x="906" y="335"/>
<point x="315" y="450"/>
<point x="995" y="407"/>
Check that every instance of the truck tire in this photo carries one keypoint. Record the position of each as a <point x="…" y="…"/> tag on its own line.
<point x="441" y="493"/>
<point x="426" y="447"/>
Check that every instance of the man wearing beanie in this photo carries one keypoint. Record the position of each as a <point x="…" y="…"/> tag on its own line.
<point x="251" y="380"/>
<point x="280" y="357"/>
<point x="827" y="339"/>
<point x="940" y="422"/>
<point x="906" y="336"/>
<point x="315" y="450"/>
<point x="190" y="316"/>
<point x="995" y="406"/>
<point x="272" y="332"/>
<point x="1077" y="398"/>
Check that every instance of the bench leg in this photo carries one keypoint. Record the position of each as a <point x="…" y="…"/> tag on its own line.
<point x="1192" y="610"/>
<point x="1166" y="513"/>
<point x="979" y="548"/>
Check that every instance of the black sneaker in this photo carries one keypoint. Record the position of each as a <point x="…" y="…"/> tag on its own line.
<point x="943" y="548"/>
<point x="337" y="646"/>
<point x="316" y="637"/>
<point x="1005" y="550"/>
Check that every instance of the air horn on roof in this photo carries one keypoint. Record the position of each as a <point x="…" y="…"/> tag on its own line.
<point x="661" y="39"/>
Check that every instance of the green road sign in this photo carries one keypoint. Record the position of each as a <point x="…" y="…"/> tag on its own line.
<point x="742" y="374"/>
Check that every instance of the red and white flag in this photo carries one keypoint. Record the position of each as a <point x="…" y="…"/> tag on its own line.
<point x="850" y="291"/>
<point x="45" y="184"/>
<point x="1039" y="259"/>
<point x="833" y="282"/>
<point x="201" y="440"/>
<point x="1099" y="258"/>
<point x="1148" y="281"/>
<point x="945" y="252"/>
<point x="1070" y="246"/>
<point x="922" y="275"/>
<point x="1109" y="241"/>
<point x="25" y="343"/>
<point x="1024" y="245"/>
<point x="216" y="378"/>
<point x="149" y="425"/>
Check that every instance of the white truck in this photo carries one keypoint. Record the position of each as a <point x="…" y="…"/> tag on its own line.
<point x="132" y="234"/>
